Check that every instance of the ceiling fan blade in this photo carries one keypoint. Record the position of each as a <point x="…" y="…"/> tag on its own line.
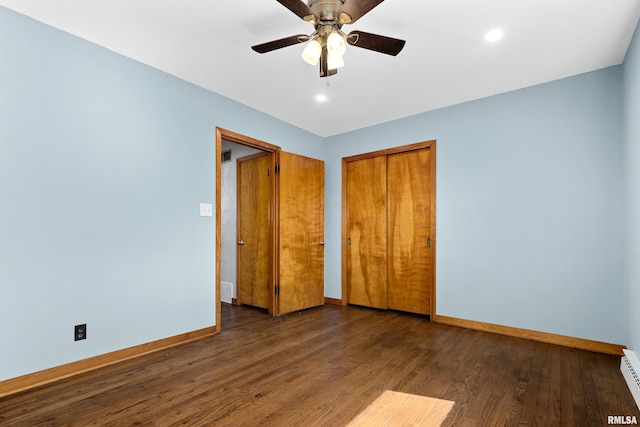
<point x="280" y="43"/>
<point x="382" y="44"/>
<point x="301" y="9"/>
<point x="324" y="64"/>
<point x="353" y="10"/>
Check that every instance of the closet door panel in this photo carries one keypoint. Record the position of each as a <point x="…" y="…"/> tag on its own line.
<point x="409" y="203"/>
<point x="367" y="232"/>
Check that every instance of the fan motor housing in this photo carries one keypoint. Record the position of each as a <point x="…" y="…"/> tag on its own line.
<point x="327" y="10"/>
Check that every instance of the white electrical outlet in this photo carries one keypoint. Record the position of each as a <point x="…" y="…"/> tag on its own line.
<point x="206" y="209"/>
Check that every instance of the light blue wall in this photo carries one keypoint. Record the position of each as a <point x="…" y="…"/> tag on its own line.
<point x="529" y="205"/>
<point x="632" y="191"/>
<point x="103" y="164"/>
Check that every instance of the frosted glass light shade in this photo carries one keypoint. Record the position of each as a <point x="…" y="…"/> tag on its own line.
<point x="311" y="53"/>
<point x="335" y="61"/>
<point x="336" y="44"/>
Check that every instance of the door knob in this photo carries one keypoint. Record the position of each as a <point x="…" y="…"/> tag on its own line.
<point x="321" y="243"/>
<point x="241" y="242"/>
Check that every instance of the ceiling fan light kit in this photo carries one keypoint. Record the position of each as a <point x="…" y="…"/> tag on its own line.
<point x="336" y="43"/>
<point x="311" y="53"/>
<point x="328" y="43"/>
<point x="334" y="62"/>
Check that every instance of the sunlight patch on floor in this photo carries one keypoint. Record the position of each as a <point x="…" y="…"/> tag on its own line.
<point x="393" y="408"/>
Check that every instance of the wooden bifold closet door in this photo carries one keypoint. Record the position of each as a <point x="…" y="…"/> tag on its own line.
<point x="390" y="229"/>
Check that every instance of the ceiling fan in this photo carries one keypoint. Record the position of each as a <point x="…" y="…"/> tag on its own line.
<point x="327" y="44"/>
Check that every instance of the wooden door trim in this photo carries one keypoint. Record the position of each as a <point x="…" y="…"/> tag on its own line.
<point x="431" y="144"/>
<point x="246" y="140"/>
<point x="434" y="240"/>
<point x="345" y="230"/>
<point x="393" y="150"/>
<point x="273" y="151"/>
<point x="251" y="157"/>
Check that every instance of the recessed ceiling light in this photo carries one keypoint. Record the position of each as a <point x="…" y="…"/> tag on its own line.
<point x="494" y="35"/>
<point x="321" y="98"/>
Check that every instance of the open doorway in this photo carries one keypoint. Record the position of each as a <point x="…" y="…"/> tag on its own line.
<point x="231" y="146"/>
<point x="233" y="155"/>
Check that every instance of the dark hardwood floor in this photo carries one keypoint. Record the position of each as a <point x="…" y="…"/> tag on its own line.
<point x="323" y="366"/>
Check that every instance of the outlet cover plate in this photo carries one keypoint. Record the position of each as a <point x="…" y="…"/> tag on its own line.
<point x="80" y="332"/>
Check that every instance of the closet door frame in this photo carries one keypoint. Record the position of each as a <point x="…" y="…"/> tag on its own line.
<point x="345" y="212"/>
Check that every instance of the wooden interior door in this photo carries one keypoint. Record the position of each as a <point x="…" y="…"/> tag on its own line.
<point x="409" y="225"/>
<point x="254" y="235"/>
<point x="301" y="232"/>
<point x="367" y="232"/>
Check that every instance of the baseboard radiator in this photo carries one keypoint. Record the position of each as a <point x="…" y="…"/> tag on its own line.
<point x="630" y="367"/>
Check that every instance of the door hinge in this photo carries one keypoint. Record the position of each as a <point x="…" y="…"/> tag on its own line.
<point x="277" y="168"/>
<point x="428" y="242"/>
<point x="268" y="172"/>
<point x="277" y="289"/>
<point x="349" y="241"/>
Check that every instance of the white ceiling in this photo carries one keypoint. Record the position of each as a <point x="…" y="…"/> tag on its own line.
<point x="446" y="59"/>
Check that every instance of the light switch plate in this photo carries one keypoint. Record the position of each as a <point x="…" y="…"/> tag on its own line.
<point x="206" y="209"/>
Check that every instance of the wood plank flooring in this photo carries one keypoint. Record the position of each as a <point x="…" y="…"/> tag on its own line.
<point x="324" y="366"/>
